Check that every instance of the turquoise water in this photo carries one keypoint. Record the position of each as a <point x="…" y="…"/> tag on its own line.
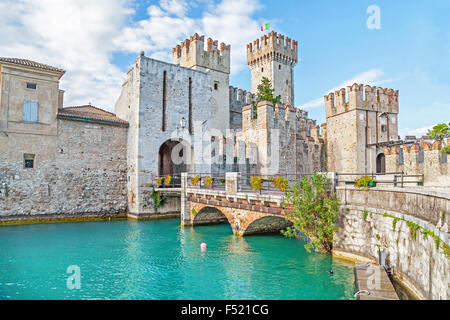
<point x="160" y="260"/>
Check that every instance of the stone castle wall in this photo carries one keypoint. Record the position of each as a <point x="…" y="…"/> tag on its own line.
<point x="359" y="118"/>
<point x="85" y="174"/>
<point x="238" y="100"/>
<point x="420" y="158"/>
<point x="141" y="105"/>
<point x="274" y="57"/>
<point x="284" y="135"/>
<point x="215" y="61"/>
<point x="362" y="229"/>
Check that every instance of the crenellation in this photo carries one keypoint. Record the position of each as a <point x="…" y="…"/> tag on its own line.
<point x="436" y="172"/>
<point x="273" y="56"/>
<point x="191" y="53"/>
<point x="340" y="100"/>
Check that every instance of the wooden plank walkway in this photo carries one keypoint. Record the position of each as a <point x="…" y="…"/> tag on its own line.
<point x="373" y="283"/>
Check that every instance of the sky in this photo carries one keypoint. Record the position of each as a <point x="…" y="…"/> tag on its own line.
<point x="96" y="42"/>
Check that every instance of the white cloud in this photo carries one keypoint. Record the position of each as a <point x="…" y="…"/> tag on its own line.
<point x="176" y="7"/>
<point x="74" y="35"/>
<point x="168" y="24"/>
<point x="419" y="132"/>
<point x="231" y="22"/>
<point x="370" y="77"/>
<point x="82" y="36"/>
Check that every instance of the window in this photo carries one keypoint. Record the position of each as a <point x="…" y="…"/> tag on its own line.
<point x="279" y="67"/>
<point x="31" y="85"/>
<point x="28" y="160"/>
<point x="383" y="128"/>
<point x="30" y="111"/>
<point x="216" y="86"/>
<point x="164" y="102"/>
<point x="190" y="106"/>
<point x="262" y="69"/>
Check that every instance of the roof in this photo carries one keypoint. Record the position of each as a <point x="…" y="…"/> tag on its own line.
<point x="33" y="64"/>
<point x="90" y="113"/>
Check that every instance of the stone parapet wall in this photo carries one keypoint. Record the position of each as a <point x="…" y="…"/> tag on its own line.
<point x="417" y="159"/>
<point x="366" y="224"/>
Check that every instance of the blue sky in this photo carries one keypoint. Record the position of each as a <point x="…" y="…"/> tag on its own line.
<point x="97" y="41"/>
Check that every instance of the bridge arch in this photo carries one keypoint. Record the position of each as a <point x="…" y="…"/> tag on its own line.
<point x="267" y="224"/>
<point x="210" y="215"/>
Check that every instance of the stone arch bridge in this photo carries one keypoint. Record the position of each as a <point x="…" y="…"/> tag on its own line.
<point x="246" y="211"/>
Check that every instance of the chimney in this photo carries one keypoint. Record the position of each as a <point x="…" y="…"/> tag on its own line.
<point x="61" y="99"/>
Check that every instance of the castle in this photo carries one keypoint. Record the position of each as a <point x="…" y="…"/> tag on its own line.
<point x="183" y="117"/>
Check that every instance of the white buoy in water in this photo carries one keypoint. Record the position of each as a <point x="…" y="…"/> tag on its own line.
<point x="203" y="247"/>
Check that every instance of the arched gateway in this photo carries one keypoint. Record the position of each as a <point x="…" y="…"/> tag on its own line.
<point x="175" y="157"/>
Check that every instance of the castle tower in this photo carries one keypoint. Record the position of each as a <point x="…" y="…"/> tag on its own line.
<point x="215" y="61"/>
<point x="274" y="57"/>
<point x="361" y="121"/>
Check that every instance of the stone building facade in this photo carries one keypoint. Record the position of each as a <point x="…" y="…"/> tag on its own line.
<point x="56" y="160"/>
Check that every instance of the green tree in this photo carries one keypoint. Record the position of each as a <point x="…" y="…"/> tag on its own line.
<point x="265" y="92"/>
<point x="441" y="132"/>
<point x="313" y="213"/>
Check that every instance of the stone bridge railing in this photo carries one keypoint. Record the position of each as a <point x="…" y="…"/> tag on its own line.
<point x="247" y="212"/>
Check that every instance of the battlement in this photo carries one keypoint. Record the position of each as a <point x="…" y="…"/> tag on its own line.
<point x="275" y="47"/>
<point x="191" y="53"/>
<point x="241" y="96"/>
<point x="421" y="157"/>
<point x="288" y="119"/>
<point x="358" y="96"/>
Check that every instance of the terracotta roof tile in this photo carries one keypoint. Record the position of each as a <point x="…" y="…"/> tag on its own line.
<point x="29" y="63"/>
<point x="91" y="113"/>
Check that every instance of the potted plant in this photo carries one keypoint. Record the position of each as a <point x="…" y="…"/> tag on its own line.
<point x="195" y="180"/>
<point x="167" y="180"/>
<point x="222" y="182"/>
<point x="256" y="183"/>
<point x="159" y="181"/>
<point x="365" y="182"/>
<point x="209" y="182"/>
<point x="420" y="182"/>
<point x="280" y="183"/>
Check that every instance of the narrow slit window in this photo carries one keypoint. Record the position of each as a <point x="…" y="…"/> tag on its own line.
<point x="190" y="106"/>
<point x="31" y="85"/>
<point x="164" y="102"/>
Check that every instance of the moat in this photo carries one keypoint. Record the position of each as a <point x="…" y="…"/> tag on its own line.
<point x="160" y="260"/>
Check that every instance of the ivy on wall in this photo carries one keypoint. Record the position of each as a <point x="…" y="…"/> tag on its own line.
<point x="413" y="230"/>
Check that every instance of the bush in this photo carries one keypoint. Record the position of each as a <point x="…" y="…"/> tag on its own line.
<point x="313" y="212"/>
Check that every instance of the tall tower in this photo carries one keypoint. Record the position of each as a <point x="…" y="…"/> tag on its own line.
<point x="361" y="121"/>
<point x="274" y="57"/>
<point x="215" y="61"/>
